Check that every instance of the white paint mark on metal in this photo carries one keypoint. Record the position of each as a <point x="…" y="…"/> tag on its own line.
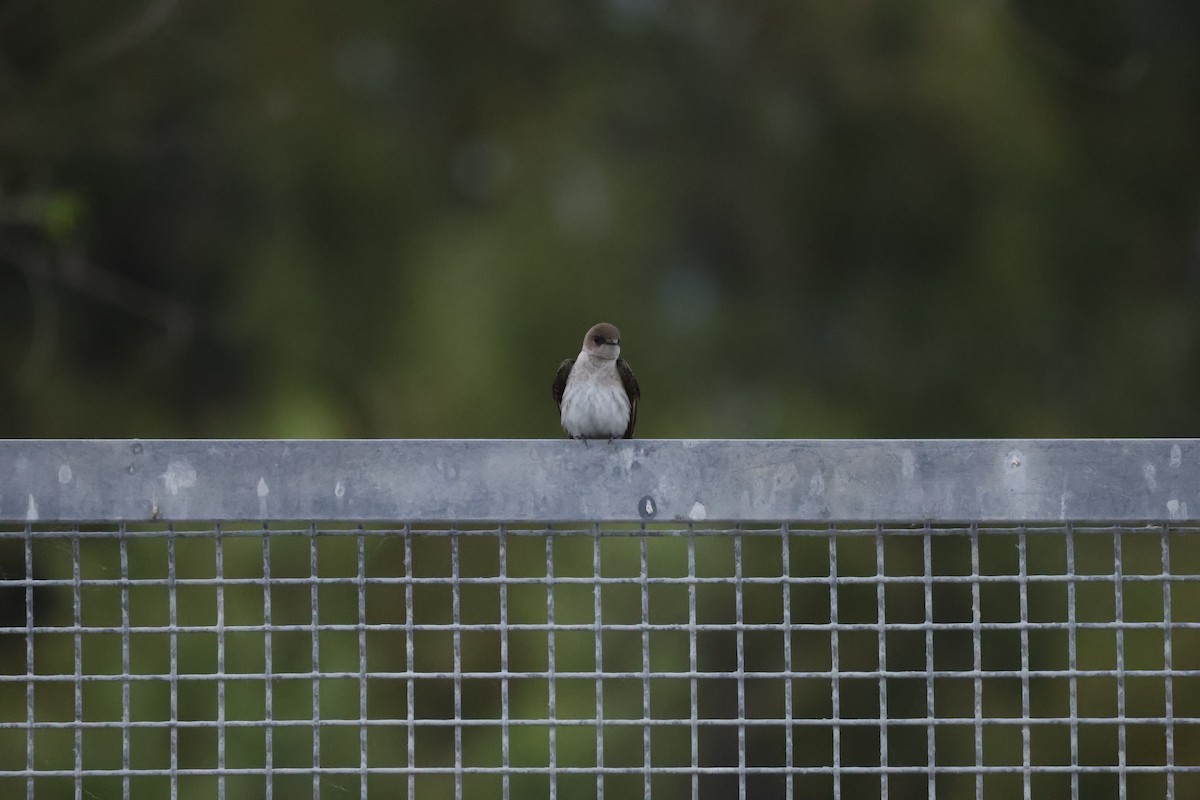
<point x="1150" y="473"/>
<point x="64" y="474"/>
<point x="698" y="512"/>
<point x="339" y="490"/>
<point x="1176" y="509"/>
<point x="262" y="491"/>
<point x="816" y="485"/>
<point x="31" y="513"/>
<point x="179" y="475"/>
<point x="1176" y="457"/>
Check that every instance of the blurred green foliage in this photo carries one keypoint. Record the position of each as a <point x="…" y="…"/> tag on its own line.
<point x="808" y="219"/>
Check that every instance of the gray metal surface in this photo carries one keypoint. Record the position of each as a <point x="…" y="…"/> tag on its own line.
<point x="640" y="480"/>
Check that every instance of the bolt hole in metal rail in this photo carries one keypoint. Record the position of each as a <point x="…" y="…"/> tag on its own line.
<point x="704" y="619"/>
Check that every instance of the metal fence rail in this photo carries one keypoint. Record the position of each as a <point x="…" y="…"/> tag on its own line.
<point x="528" y="619"/>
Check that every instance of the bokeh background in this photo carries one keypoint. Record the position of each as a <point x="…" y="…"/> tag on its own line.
<point x="369" y="219"/>
<point x="394" y="219"/>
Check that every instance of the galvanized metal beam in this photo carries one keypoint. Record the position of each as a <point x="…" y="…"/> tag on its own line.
<point x="493" y="480"/>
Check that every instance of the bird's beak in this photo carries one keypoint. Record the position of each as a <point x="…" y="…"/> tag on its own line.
<point x="612" y="341"/>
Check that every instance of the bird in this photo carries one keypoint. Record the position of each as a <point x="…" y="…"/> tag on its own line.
<point x="596" y="392"/>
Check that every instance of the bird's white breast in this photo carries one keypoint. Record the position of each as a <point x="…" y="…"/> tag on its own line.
<point x="594" y="403"/>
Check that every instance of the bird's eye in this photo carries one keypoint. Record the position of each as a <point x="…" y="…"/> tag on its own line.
<point x="598" y="339"/>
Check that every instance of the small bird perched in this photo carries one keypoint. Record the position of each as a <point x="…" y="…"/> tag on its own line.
<point x="596" y="392"/>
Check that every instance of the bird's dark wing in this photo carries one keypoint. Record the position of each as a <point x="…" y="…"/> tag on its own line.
<point x="560" y="380"/>
<point x="632" y="391"/>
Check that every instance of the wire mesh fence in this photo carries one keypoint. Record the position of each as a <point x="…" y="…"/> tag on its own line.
<point x="750" y="658"/>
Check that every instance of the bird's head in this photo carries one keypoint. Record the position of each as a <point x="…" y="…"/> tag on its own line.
<point x="603" y="341"/>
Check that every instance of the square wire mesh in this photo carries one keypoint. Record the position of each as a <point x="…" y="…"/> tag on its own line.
<point x="768" y="661"/>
